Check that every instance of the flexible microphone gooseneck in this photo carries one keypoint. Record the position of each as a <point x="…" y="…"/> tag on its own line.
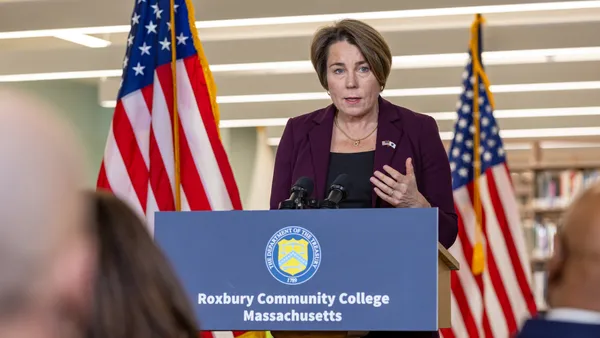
<point x="337" y="192"/>
<point x="299" y="194"/>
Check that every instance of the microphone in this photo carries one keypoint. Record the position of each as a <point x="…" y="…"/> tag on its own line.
<point x="337" y="192"/>
<point x="300" y="191"/>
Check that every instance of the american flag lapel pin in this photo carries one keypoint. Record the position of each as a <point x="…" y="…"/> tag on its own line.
<point x="388" y="143"/>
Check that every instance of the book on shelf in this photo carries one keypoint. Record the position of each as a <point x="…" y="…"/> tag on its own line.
<point x="540" y="234"/>
<point x="540" y="289"/>
<point x="555" y="189"/>
<point x="543" y="195"/>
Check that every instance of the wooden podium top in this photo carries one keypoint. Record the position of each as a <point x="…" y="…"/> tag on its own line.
<point x="447" y="258"/>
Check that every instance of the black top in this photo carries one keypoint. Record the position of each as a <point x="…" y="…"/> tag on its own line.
<point x="359" y="167"/>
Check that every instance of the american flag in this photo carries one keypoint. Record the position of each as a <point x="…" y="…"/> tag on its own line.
<point x="491" y="293"/>
<point x="147" y="162"/>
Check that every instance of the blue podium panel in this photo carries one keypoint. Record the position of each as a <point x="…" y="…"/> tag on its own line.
<point x="314" y="270"/>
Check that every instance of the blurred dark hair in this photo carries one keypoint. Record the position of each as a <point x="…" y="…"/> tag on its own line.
<point x="137" y="293"/>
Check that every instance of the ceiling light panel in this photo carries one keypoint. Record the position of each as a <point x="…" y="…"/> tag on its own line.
<point x="297" y="67"/>
<point x="84" y="40"/>
<point x="326" y="18"/>
<point x="404" y="92"/>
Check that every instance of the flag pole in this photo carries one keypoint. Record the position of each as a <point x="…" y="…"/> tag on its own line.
<point x="175" y="112"/>
<point x="478" y="258"/>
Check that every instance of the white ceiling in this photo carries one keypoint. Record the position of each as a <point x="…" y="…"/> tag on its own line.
<point x="408" y="34"/>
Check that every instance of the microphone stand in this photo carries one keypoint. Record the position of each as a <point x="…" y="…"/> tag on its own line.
<point x="287" y="205"/>
<point x="300" y="203"/>
<point x="297" y="203"/>
<point x="313" y="204"/>
<point x="327" y="204"/>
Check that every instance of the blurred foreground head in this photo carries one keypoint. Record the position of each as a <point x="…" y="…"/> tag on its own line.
<point x="574" y="269"/>
<point x="46" y="255"/>
<point x="137" y="293"/>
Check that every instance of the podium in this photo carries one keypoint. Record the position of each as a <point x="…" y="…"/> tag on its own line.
<point x="311" y="273"/>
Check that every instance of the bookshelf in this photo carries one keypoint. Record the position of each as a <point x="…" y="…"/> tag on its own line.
<point x="545" y="183"/>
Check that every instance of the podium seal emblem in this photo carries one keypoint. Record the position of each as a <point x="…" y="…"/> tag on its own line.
<point x="293" y="255"/>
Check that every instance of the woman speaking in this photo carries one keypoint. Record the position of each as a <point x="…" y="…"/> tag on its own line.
<point x="394" y="157"/>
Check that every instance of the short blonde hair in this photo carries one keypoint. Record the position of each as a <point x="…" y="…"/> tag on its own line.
<point x="369" y="41"/>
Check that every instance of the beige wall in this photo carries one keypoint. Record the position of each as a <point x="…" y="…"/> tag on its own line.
<point x="247" y="159"/>
<point x="77" y="101"/>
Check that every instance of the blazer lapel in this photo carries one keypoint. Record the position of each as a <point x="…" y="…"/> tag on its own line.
<point x="388" y="138"/>
<point x="320" y="145"/>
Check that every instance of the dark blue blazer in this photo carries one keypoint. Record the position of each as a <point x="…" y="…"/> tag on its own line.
<point x="305" y="146"/>
<point x="541" y="328"/>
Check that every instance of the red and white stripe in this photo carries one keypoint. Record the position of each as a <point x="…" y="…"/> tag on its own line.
<point x="496" y="303"/>
<point x="139" y="160"/>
